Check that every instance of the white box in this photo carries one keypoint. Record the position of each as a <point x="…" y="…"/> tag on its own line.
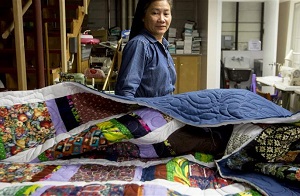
<point x="195" y="34"/>
<point x="188" y="25"/>
<point x="179" y="51"/>
<point x="254" y="45"/>
<point x="187" y="51"/>
<point x="172" y="32"/>
<point x="179" y="43"/>
<point x="171" y="40"/>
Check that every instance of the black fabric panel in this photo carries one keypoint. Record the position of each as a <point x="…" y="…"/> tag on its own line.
<point x="196" y="139"/>
<point x="66" y="114"/>
<point x="132" y="123"/>
<point x="162" y="150"/>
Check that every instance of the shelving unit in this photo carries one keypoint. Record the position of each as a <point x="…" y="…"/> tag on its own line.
<point x="31" y="54"/>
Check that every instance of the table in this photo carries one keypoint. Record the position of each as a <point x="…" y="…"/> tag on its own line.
<point x="297" y="91"/>
<point x="269" y="80"/>
<point x="277" y="82"/>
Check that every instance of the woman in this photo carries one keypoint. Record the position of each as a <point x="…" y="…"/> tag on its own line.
<point x="147" y="68"/>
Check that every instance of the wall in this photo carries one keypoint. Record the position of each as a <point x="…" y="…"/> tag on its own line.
<point x="101" y="14"/>
<point x="202" y="15"/>
<point x="213" y="44"/>
<point x="283" y="22"/>
<point x="183" y="10"/>
<point x="249" y="22"/>
<point x="296" y="28"/>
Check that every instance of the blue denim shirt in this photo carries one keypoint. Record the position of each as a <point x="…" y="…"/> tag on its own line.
<point x="147" y="68"/>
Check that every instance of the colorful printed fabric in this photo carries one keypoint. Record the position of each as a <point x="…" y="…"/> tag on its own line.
<point x="246" y="193"/>
<point x="99" y="189"/>
<point x="88" y="140"/>
<point x="26" y="190"/>
<point x="67" y="113"/>
<point x="177" y="169"/>
<point x="64" y="190"/>
<point x="90" y="173"/>
<point x="207" y="158"/>
<point x="12" y="190"/>
<point x="185" y="172"/>
<point x="16" y="172"/>
<point x="91" y="189"/>
<point x="106" y="136"/>
<point x="114" y="131"/>
<point x="24" y="126"/>
<point x="93" y="107"/>
<point x="275" y="152"/>
<point x="94" y="189"/>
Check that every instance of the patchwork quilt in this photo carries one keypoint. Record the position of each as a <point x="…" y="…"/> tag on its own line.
<point x="68" y="139"/>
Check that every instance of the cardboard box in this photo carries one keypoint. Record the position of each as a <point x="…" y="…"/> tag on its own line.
<point x="102" y="34"/>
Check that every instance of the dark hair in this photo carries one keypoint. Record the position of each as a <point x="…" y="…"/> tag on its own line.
<point x="140" y="11"/>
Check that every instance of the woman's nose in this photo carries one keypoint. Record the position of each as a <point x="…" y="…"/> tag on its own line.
<point x="161" y="18"/>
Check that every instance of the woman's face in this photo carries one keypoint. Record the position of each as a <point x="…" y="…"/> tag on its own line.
<point x="158" y="18"/>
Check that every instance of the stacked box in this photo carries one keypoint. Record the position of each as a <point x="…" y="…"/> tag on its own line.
<point x="192" y="39"/>
<point x="196" y="44"/>
<point x="188" y="37"/>
<point x="171" y="39"/>
<point x="172" y="35"/>
<point x="187" y="49"/>
<point x="172" y="48"/>
<point x="179" y="46"/>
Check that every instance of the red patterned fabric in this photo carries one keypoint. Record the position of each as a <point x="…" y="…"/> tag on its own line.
<point x="92" y="107"/>
<point x="94" y="73"/>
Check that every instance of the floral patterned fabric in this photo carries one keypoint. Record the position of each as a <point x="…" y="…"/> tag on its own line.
<point x="24" y="126"/>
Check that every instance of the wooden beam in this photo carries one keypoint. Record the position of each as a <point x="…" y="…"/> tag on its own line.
<point x="11" y="26"/>
<point x="76" y="31"/>
<point x="112" y="66"/>
<point x="63" y="35"/>
<point x="86" y="6"/>
<point x="39" y="46"/>
<point x="79" y="55"/>
<point x="47" y="54"/>
<point x="78" y="22"/>
<point x="19" y="44"/>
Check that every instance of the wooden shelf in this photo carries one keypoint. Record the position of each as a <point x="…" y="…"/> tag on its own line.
<point x="54" y="50"/>
<point x="13" y="70"/>
<point x="57" y="20"/>
<point x="12" y="51"/>
<point x="52" y="33"/>
<point x="7" y="51"/>
<point x="55" y="7"/>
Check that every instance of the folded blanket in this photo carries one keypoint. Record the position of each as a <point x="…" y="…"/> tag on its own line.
<point x="236" y="130"/>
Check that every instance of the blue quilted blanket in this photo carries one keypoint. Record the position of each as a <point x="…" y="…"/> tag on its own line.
<point x="246" y="143"/>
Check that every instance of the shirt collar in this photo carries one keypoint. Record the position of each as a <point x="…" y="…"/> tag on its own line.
<point x="152" y="39"/>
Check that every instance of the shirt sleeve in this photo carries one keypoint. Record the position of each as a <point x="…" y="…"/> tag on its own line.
<point x="131" y="69"/>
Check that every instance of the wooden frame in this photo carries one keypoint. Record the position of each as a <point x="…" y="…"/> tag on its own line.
<point x="20" y="46"/>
